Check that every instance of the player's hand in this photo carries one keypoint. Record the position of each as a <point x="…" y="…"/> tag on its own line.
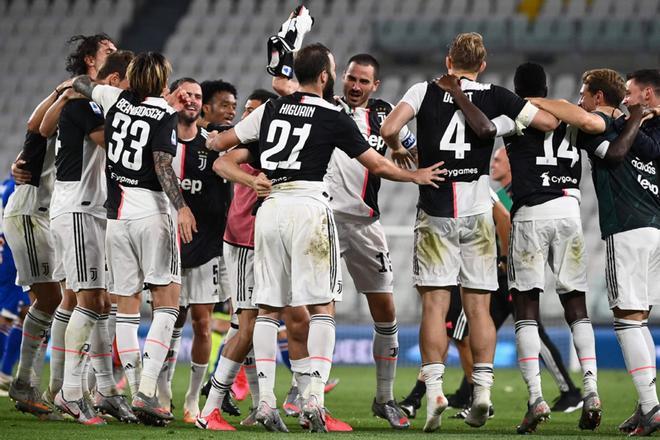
<point x="21" y="176"/>
<point x="70" y="94"/>
<point x="262" y="185"/>
<point x="448" y="83"/>
<point x="187" y="224"/>
<point x="403" y="158"/>
<point x="177" y="99"/>
<point x="341" y="103"/>
<point x="293" y="30"/>
<point x="430" y="175"/>
<point x="210" y="140"/>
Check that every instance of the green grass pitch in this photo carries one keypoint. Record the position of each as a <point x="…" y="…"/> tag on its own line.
<point x="351" y="401"/>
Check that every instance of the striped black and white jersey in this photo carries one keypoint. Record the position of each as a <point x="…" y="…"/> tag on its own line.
<point x="442" y="135"/>
<point x="544" y="166"/>
<point x="34" y="197"/>
<point x="134" y="129"/>
<point x="297" y="135"/>
<point x="80" y="163"/>
<point x="354" y="190"/>
<point x="206" y="194"/>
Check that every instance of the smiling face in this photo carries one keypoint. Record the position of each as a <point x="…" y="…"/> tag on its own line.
<point x="221" y="109"/>
<point x="359" y="84"/>
<point x="588" y="100"/>
<point x="190" y="112"/>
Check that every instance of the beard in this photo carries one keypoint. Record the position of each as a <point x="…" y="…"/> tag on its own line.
<point x="188" y="118"/>
<point x="329" y="90"/>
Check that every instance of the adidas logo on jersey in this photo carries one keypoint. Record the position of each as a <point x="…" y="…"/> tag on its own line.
<point x="193" y="186"/>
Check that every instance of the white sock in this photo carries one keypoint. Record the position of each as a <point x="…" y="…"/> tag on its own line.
<point x="650" y="343"/>
<point x="253" y="379"/>
<point x="528" y="345"/>
<point x="221" y="383"/>
<point x="112" y="323"/>
<point x="76" y="342"/>
<point x="638" y="362"/>
<point x="35" y="329"/>
<point x="156" y="347"/>
<point x="385" y="351"/>
<point x="86" y="372"/>
<point x="39" y="360"/>
<point x="320" y="346"/>
<point x="433" y="375"/>
<point x="264" y="341"/>
<point x="128" y="348"/>
<point x="194" y="387"/>
<point x="585" y="346"/>
<point x="101" y="354"/>
<point x="167" y="371"/>
<point x="301" y="377"/>
<point x="57" y="332"/>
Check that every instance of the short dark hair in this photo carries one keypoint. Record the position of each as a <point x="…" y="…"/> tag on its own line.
<point x="87" y="47"/>
<point x="647" y="78"/>
<point x="117" y="62"/>
<point x="607" y="81"/>
<point x="211" y="87"/>
<point x="262" y="95"/>
<point x="186" y="79"/>
<point x="310" y="61"/>
<point x="365" y="59"/>
<point x="530" y="81"/>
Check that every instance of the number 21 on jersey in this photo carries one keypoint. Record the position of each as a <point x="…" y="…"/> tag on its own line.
<point x="281" y="130"/>
<point x="456" y="131"/>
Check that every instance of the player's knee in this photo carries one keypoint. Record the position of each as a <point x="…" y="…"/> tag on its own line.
<point x="202" y="327"/>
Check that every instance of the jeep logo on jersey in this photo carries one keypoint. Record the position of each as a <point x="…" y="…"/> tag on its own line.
<point x="647" y="185"/>
<point x="194" y="186"/>
<point x="377" y="142"/>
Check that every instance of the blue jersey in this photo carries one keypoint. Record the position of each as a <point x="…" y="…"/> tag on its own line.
<point x="7" y="267"/>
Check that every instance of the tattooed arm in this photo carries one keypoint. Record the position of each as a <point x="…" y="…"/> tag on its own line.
<point x="170" y="184"/>
<point x="84" y="85"/>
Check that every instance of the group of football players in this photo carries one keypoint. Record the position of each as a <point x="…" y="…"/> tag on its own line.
<point x="122" y="192"/>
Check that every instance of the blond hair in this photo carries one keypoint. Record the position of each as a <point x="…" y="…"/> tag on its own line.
<point x="148" y="74"/>
<point x="467" y="52"/>
<point x="607" y="81"/>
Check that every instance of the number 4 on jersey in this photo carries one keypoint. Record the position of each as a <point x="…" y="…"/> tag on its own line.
<point x="455" y="130"/>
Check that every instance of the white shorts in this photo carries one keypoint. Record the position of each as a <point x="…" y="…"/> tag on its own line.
<point x="33" y="249"/>
<point x="205" y="284"/>
<point x="296" y="254"/>
<point x="240" y="268"/>
<point x="632" y="271"/>
<point x="142" y="251"/>
<point x="79" y="240"/>
<point x="364" y="249"/>
<point x="452" y="251"/>
<point x="559" y="242"/>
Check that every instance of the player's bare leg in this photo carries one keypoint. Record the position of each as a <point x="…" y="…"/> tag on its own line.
<point x="433" y="345"/>
<point x="37" y="322"/>
<point x="476" y="304"/>
<point x="386" y="353"/>
<point x="575" y="313"/>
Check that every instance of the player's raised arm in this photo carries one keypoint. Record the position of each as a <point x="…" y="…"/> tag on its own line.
<point x="52" y="115"/>
<point x="631" y="137"/>
<point x="571" y="114"/>
<point x="84" y="85"/>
